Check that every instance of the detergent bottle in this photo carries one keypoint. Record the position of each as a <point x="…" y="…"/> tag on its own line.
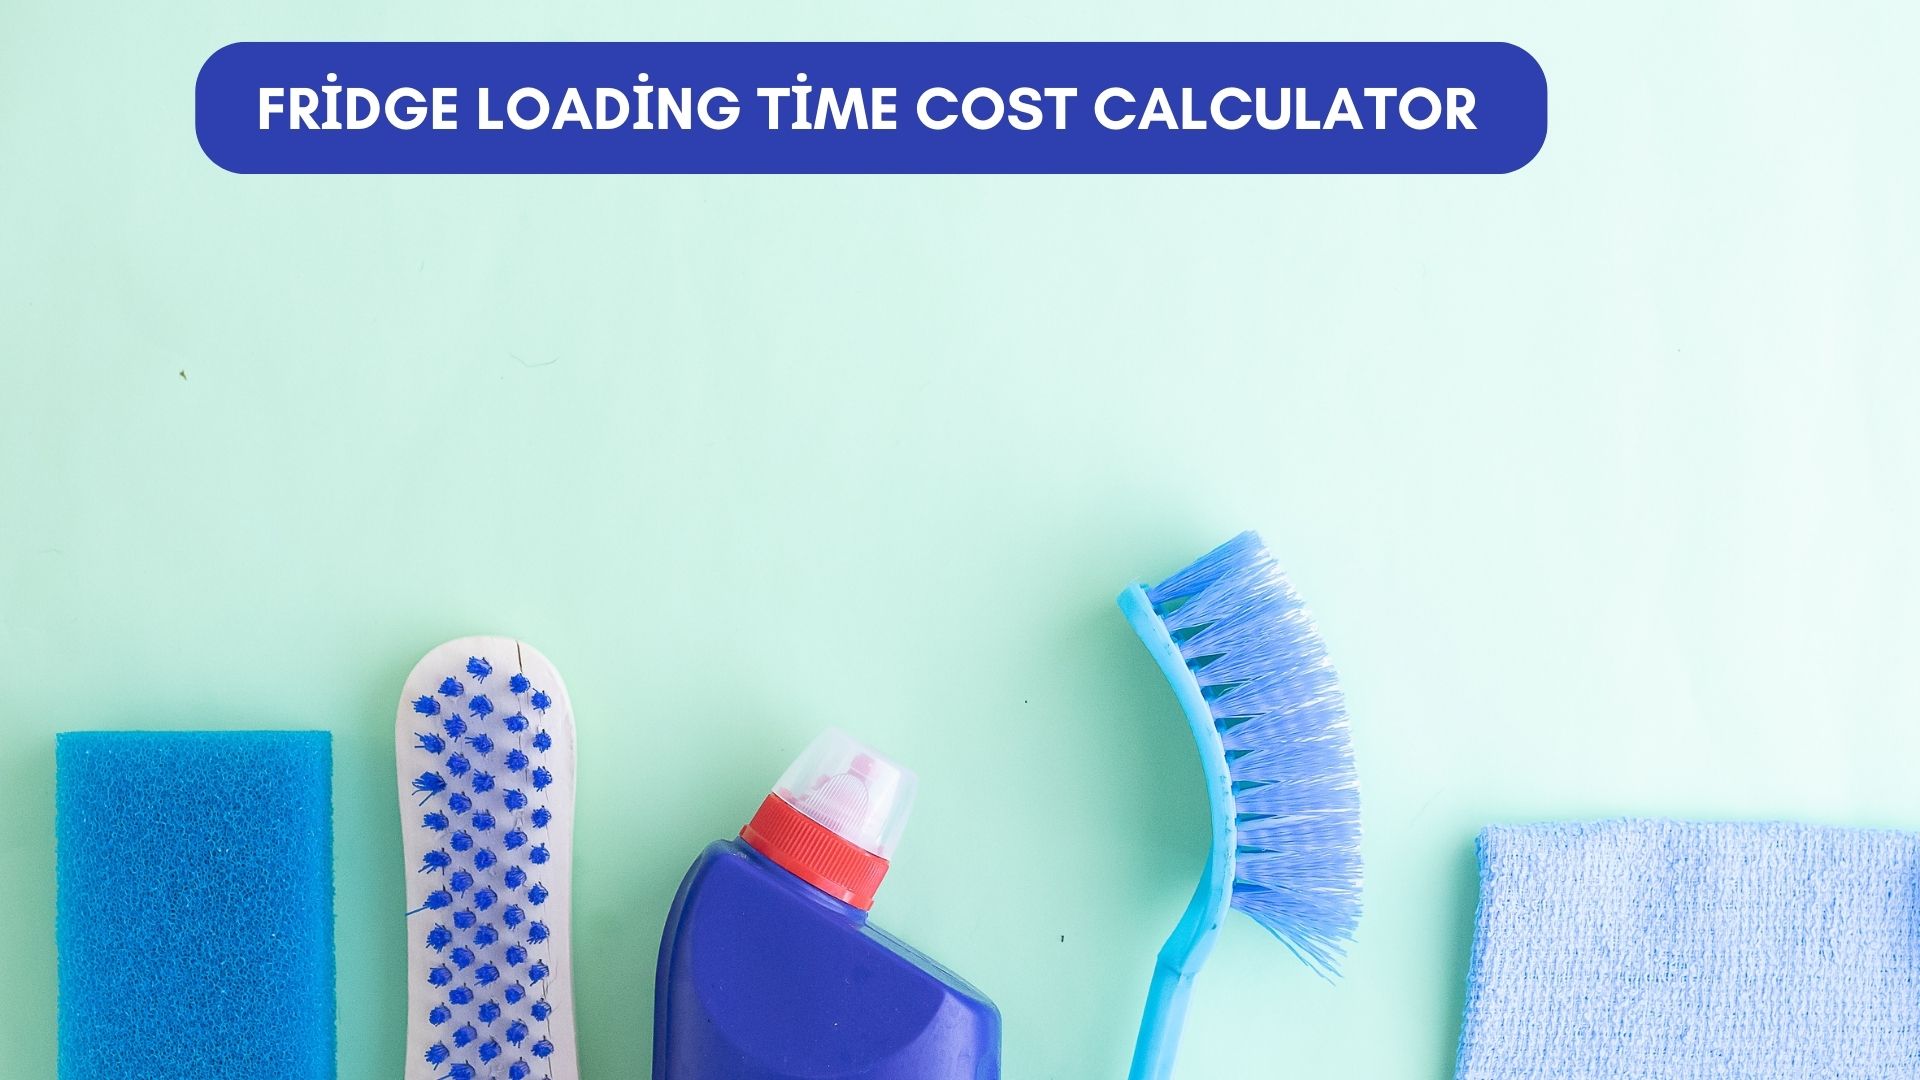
<point x="769" y="969"/>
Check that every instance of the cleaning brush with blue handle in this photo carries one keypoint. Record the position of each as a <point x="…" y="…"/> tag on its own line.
<point x="1264" y="703"/>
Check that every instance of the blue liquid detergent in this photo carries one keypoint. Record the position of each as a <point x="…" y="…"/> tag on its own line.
<point x="769" y="969"/>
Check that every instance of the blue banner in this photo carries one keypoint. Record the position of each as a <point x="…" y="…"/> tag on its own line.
<point x="871" y="107"/>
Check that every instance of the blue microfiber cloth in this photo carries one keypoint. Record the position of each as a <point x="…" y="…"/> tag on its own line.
<point x="1659" y="950"/>
<point x="195" y="922"/>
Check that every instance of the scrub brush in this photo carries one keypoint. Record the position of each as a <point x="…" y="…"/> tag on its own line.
<point x="484" y="741"/>
<point x="1264" y="703"/>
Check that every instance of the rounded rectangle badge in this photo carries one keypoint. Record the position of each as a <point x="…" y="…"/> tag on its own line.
<point x="871" y="107"/>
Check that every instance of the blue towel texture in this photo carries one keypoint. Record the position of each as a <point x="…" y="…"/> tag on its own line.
<point x="1660" y="950"/>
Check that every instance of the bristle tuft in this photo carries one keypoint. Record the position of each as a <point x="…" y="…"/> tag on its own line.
<point x="1276" y="701"/>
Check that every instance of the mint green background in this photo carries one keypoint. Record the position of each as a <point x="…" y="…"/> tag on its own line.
<point x="1602" y="477"/>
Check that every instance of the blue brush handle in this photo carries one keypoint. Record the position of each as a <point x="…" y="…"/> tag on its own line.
<point x="1187" y="947"/>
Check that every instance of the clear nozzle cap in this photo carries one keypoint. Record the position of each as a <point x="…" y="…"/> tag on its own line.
<point x="847" y="786"/>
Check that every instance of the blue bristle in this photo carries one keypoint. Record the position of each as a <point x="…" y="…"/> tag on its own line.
<point x="484" y="899"/>
<point x="515" y="877"/>
<point x="431" y="743"/>
<point x="463" y="919"/>
<point x="537" y="895"/>
<point x="436" y="821"/>
<point x="514" y="799"/>
<point x="459" y="802"/>
<point x="450" y="687"/>
<point x="541" y="1010"/>
<point x="460" y="995"/>
<point x="488" y="1012"/>
<point x="439" y="937"/>
<point x="441" y="975"/>
<point x="461" y="840"/>
<point x="489" y="1049"/>
<point x="514" y="993"/>
<point x="538" y="854"/>
<point x="516" y="723"/>
<point x="426" y="705"/>
<point x="537" y="972"/>
<point x="457" y="765"/>
<point x="541" y="700"/>
<point x="541" y="817"/>
<point x="429" y="784"/>
<point x="484" y="859"/>
<point x="1276" y="702"/>
<point x="464" y="1035"/>
<point x="513" y="915"/>
<point x="537" y="932"/>
<point x="486" y="975"/>
<point x="435" y="860"/>
<point x="518" y="683"/>
<point x="482" y="782"/>
<point x="542" y="742"/>
<point x="438" y="1053"/>
<point x="462" y="1071"/>
<point x="462" y="957"/>
<point x="482" y="744"/>
<point x="454" y="725"/>
<point x="478" y="667"/>
<point x="543" y="1047"/>
<point x="521" y="1070"/>
<point x="461" y="881"/>
<point x="541" y="778"/>
<point x="485" y="935"/>
<point x="482" y="820"/>
<point x="516" y="955"/>
<point x="516" y="1031"/>
<point x="516" y="760"/>
<point x="480" y="706"/>
<point x="439" y="1014"/>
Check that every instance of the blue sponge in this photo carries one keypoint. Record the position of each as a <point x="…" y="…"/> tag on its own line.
<point x="196" y="905"/>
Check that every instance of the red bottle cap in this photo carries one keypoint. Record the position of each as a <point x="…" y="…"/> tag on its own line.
<point x="835" y="818"/>
<point x="814" y="853"/>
